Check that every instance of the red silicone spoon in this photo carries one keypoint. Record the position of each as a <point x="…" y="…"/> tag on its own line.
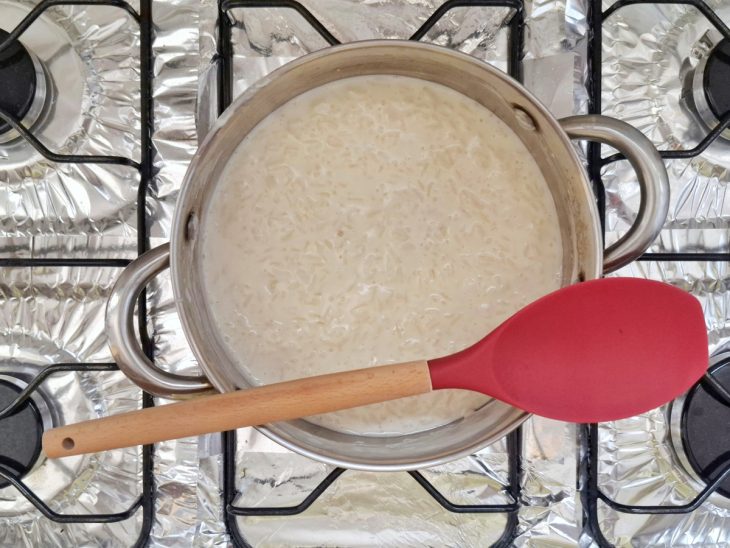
<point x="596" y="351"/>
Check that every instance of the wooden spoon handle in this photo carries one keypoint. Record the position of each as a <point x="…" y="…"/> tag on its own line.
<point x="271" y="403"/>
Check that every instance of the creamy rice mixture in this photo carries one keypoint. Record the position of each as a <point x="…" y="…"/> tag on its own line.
<point x="375" y="220"/>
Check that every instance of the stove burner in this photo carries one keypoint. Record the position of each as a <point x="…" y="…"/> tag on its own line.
<point x="23" y="90"/>
<point x="708" y="91"/>
<point x="20" y="433"/>
<point x="716" y="79"/>
<point x="705" y="429"/>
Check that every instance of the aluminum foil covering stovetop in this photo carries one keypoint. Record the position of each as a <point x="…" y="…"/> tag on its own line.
<point x="55" y="315"/>
<point x="68" y="209"/>
<point x="47" y="210"/>
<point x="647" y="51"/>
<point x="175" y="85"/>
<point x="50" y="315"/>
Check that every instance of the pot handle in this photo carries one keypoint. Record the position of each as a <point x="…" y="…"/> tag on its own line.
<point x="652" y="175"/>
<point x="125" y="348"/>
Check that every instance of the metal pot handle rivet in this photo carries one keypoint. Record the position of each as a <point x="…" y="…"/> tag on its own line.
<point x="651" y="173"/>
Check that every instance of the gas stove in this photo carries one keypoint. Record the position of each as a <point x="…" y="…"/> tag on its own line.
<point x="102" y="105"/>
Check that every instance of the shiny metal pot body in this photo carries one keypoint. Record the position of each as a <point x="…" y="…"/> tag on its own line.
<point x="547" y="140"/>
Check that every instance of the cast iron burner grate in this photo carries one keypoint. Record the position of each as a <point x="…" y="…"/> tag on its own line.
<point x="11" y="114"/>
<point x="20" y="433"/>
<point x="12" y="107"/>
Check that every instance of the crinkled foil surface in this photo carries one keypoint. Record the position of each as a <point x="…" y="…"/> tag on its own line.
<point x="52" y="315"/>
<point x="648" y="50"/>
<point x="56" y="314"/>
<point x="69" y="209"/>
<point x="176" y="61"/>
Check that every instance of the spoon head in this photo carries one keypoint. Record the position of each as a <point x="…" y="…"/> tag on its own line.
<point x="595" y="351"/>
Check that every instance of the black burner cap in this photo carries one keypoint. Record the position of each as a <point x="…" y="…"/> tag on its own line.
<point x="20" y="434"/>
<point x="17" y="80"/>
<point x="706" y="429"/>
<point x="716" y="79"/>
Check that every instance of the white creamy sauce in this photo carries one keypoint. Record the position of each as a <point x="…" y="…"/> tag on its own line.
<point x="376" y="220"/>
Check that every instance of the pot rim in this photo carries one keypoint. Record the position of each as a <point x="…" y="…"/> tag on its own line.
<point x="180" y="227"/>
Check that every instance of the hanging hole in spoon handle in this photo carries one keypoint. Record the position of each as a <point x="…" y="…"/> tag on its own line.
<point x="651" y="173"/>
<point x="125" y="348"/>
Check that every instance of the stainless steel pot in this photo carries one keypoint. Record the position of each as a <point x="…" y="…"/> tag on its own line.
<point x="547" y="139"/>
